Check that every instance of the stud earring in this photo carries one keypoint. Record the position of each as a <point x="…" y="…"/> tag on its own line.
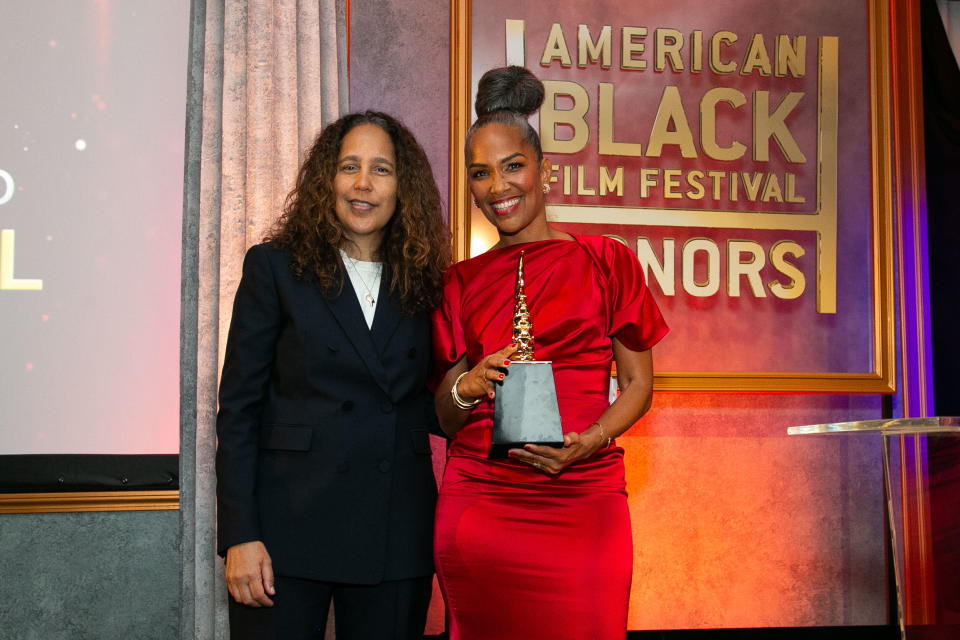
<point x="475" y="203"/>
<point x="546" y="187"/>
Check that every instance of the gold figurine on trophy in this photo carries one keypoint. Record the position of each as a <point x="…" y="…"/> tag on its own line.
<point x="522" y="324"/>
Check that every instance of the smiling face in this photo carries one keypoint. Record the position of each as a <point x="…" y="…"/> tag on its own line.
<point x="507" y="181"/>
<point x="365" y="188"/>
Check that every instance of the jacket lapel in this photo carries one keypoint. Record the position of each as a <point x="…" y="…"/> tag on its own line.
<point x="346" y="309"/>
<point x="386" y="318"/>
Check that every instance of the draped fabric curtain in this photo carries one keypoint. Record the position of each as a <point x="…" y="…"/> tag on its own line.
<point x="264" y="77"/>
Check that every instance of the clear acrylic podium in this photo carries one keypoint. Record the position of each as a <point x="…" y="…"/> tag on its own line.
<point x="921" y="471"/>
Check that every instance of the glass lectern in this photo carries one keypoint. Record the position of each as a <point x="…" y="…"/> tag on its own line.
<point x="921" y="471"/>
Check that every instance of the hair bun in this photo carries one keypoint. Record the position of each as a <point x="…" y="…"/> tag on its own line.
<point x="508" y="89"/>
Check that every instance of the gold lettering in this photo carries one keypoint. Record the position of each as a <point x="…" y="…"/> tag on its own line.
<point x="515" y="35"/>
<point x="717" y="65"/>
<point x="737" y="267"/>
<point x="550" y="117"/>
<point x="671" y="183"/>
<point x="668" y="43"/>
<point x="614" y="183"/>
<point x="555" y="48"/>
<point x="771" y="189"/>
<point x="663" y="272"/>
<point x="587" y="48"/>
<point x="696" y="51"/>
<point x="733" y="186"/>
<point x="566" y="180"/>
<point x="696" y="191"/>
<point x="648" y="178"/>
<point x="581" y="189"/>
<point x="671" y="111"/>
<point x="708" y="123"/>
<point x="716" y="177"/>
<point x="751" y="184"/>
<point x="790" y="182"/>
<point x="791" y="58"/>
<point x="629" y="47"/>
<point x="711" y="285"/>
<point x="605" y="142"/>
<point x="756" y="57"/>
<point x="794" y="288"/>
<point x="767" y="125"/>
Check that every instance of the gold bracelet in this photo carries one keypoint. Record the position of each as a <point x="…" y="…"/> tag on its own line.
<point x="609" y="439"/>
<point x="459" y="402"/>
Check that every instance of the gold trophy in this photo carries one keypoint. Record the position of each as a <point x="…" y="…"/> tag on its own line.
<point x="525" y="409"/>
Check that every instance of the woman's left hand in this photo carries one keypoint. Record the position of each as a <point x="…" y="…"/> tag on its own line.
<point x="553" y="460"/>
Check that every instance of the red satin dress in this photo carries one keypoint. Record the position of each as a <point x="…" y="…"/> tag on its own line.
<point x="520" y="554"/>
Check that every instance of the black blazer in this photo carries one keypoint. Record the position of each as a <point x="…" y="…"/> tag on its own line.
<point x="323" y="428"/>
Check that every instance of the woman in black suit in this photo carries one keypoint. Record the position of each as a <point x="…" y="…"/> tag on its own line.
<point x="325" y="486"/>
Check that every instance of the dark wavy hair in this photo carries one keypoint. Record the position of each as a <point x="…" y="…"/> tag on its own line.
<point x="508" y="95"/>
<point x="416" y="245"/>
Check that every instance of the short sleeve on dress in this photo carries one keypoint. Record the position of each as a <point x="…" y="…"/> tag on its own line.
<point x="633" y="316"/>
<point x="449" y="344"/>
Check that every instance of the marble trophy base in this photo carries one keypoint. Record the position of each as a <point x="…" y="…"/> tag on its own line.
<point x="525" y="409"/>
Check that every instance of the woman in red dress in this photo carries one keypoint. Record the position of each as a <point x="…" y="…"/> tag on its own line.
<point x="539" y="545"/>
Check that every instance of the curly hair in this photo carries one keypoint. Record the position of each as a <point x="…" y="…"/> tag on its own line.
<point x="416" y="245"/>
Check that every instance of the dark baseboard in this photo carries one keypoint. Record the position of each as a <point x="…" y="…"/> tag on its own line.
<point x="81" y="472"/>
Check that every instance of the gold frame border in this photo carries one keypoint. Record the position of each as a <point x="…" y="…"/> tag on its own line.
<point x="460" y="115"/>
<point x="883" y="378"/>
<point x="79" y="501"/>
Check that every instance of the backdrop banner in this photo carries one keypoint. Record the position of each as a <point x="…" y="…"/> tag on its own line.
<point x="731" y="145"/>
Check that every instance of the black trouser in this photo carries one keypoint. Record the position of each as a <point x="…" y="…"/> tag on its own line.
<point x="394" y="610"/>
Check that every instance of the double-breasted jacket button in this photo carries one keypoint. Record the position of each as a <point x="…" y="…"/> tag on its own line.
<point x="347" y="405"/>
<point x="412" y="353"/>
<point x="342" y="467"/>
<point x="386" y="406"/>
<point x="384" y="466"/>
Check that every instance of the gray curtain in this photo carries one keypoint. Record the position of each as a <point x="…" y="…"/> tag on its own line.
<point x="264" y="77"/>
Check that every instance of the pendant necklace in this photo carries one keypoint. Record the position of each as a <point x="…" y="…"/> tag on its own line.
<point x="353" y="263"/>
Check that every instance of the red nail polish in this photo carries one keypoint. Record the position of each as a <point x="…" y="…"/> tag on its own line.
<point x="506" y="363"/>
<point x="501" y="376"/>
